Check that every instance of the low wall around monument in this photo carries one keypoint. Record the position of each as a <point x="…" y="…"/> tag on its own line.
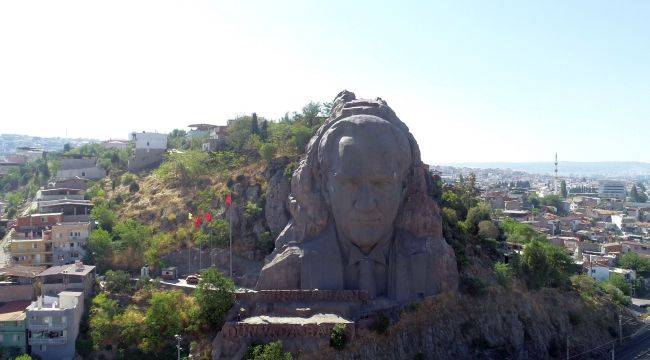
<point x="275" y="296"/>
<point x="268" y="332"/>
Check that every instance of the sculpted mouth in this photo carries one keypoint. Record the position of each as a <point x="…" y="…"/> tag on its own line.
<point x="367" y="220"/>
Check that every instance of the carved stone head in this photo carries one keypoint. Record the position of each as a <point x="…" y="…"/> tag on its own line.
<point x="364" y="161"/>
<point x="362" y="170"/>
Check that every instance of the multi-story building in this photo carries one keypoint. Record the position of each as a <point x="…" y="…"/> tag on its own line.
<point x="35" y="223"/>
<point x="72" y="210"/>
<point x="31" y="250"/>
<point x="611" y="189"/>
<point x="59" y="194"/>
<point x="73" y="166"/>
<point x="13" y="333"/>
<point x="69" y="241"/>
<point x="53" y="325"/>
<point x="74" y="277"/>
<point x="149" y="150"/>
<point x="18" y="282"/>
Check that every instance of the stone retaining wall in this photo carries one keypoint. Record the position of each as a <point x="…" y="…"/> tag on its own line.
<point x="275" y="296"/>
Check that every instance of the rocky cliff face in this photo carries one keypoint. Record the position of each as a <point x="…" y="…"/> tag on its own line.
<point x="502" y="324"/>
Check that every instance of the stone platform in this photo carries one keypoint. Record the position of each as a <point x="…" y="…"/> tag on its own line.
<point x="301" y="319"/>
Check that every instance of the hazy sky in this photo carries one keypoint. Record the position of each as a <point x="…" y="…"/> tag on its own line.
<point x="475" y="81"/>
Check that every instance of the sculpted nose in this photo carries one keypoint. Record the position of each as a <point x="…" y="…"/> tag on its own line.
<point x="365" y="200"/>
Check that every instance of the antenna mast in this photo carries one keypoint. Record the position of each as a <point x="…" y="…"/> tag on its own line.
<point x="555" y="184"/>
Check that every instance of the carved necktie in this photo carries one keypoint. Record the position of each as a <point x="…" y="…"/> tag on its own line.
<point x="367" y="276"/>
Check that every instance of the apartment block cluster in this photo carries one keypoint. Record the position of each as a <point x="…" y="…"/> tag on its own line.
<point x="44" y="283"/>
<point x="597" y="222"/>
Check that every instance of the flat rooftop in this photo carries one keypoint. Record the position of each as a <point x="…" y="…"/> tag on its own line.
<point x="13" y="310"/>
<point x="70" y="269"/>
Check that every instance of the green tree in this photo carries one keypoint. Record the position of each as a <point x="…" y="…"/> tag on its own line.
<point x="487" y="230"/>
<point x="102" y="328"/>
<point x="255" y="128"/>
<point x="301" y="136"/>
<point x="270" y="351"/>
<point x="267" y="151"/>
<point x="118" y="282"/>
<point x="563" y="191"/>
<point x="100" y="248"/>
<point x="66" y="147"/>
<point x="631" y="260"/>
<point x="619" y="281"/>
<point x="475" y="215"/>
<point x="166" y="316"/>
<point x="503" y="273"/>
<point x="214" y="295"/>
<point x="104" y="216"/>
<point x="545" y="265"/>
<point x="264" y="130"/>
<point x="638" y="196"/>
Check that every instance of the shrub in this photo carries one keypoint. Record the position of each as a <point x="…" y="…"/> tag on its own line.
<point x="270" y="351"/>
<point x="252" y="210"/>
<point x="104" y="216"/>
<point x="267" y="151"/>
<point x="338" y="337"/>
<point x="487" y="230"/>
<point x="502" y="272"/>
<point x="473" y="286"/>
<point x="215" y="295"/>
<point x="266" y="243"/>
<point x="118" y="282"/>
<point x="381" y="324"/>
<point x="134" y="187"/>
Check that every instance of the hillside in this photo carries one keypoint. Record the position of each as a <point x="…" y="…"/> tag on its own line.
<point x="508" y="306"/>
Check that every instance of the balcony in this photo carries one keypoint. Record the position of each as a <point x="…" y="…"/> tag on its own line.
<point x="45" y="327"/>
<point x="48" y="341"/>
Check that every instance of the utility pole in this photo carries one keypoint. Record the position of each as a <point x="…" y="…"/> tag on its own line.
<point x="230" y="233"/>
<point x="567" y="347"/>
<point x="613" y="356"/>
<point x="620" y="328"/>
<point x="178" y="346"/>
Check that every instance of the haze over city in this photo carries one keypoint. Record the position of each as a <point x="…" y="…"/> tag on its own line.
<point x="515" y="82"/>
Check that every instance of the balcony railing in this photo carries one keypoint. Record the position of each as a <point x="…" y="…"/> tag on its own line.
<point x="48" y="341"/>
<point x="40" y="327"/>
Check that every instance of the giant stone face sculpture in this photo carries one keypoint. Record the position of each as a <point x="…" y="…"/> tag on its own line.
<point x="361" y="215"/>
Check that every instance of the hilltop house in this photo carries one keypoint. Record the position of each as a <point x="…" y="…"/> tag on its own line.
<point x="79" y="166"/>
<point x="149" y="150"/>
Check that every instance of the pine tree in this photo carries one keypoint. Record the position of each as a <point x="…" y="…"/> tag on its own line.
<point x="634" y="194"/>
<point x="563" y="191"/>
<point x="255" y="129"/>
<point x="264" y="130"/>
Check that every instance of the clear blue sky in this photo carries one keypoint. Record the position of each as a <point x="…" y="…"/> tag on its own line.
<point x="474" y="80"/>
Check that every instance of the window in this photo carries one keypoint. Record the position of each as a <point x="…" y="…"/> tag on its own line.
<point x="16" y="337"/>
<point x="2" y="338"/>
<point x="83" y="173"/>
<point x="43" y="347"/>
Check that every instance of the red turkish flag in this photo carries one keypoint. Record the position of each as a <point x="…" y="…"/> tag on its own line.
<point x="208" y="217"/>
<point x="228" y="200"/>
<point x="198" y="221"/>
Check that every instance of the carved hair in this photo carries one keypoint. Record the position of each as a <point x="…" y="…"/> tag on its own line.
<point x="308" y="206"/>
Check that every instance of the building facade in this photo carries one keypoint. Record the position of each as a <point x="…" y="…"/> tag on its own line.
<point x="53" y="325"/>
<point x="69" y="241"/>
<point x="13" y="333"/>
